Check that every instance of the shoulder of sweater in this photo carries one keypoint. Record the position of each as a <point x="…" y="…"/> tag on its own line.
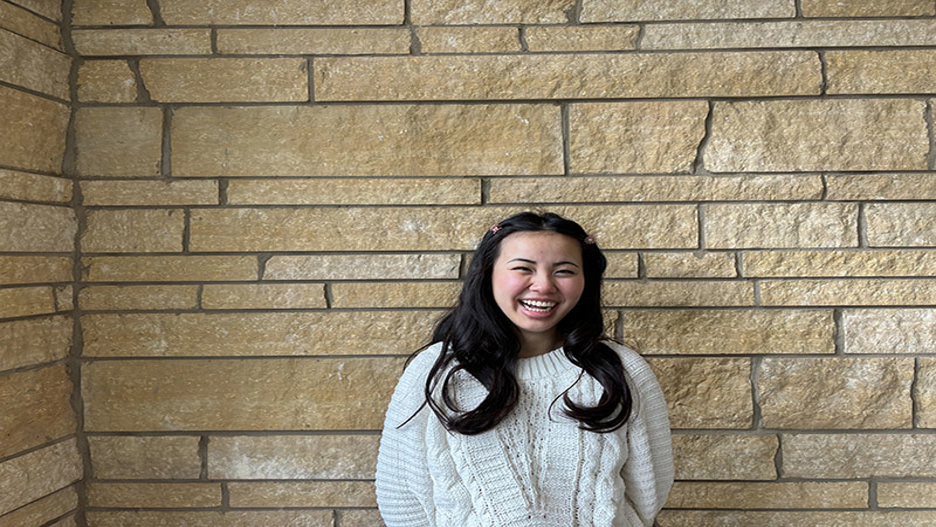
<point x="634" y="364"/>
<point x="410" y="390"/>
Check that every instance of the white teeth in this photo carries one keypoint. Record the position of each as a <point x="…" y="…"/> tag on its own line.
<point x="538" y="306"/>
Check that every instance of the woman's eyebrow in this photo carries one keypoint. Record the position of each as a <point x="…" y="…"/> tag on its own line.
<point x="564" y="262"/>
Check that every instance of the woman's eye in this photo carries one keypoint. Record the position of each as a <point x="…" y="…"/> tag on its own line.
<point x="565" y="271"/>
<point x="527" y="269"/>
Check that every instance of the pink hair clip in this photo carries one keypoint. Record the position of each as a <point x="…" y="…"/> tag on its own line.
<point x="495" y="228"/>
<point x="590" y="240"/>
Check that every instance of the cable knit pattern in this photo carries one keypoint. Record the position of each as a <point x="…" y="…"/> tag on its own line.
<point x="536" y="468"/>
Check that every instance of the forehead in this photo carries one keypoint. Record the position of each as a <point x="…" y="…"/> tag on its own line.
<point x="540" y="245"/>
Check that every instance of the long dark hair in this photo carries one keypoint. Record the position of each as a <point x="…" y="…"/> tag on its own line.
<point x="478" y="338"/>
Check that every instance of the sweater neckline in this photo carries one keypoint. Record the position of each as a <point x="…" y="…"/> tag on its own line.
<point x="546" y="365"/>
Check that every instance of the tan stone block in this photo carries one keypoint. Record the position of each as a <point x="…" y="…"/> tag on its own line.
<point x="138" y="297"/>
<point x="152" y="457"/>
<point x="34" y="131"/>
<point x="25" y="301"/>
<point x="35" y="269"/>
<point x="840" y="263"/>
<point x="31" y="65"/>
<point x="706" y="393"/>
<point x="854" y="292"/>
<point x="39" y="473"/>
<point x="717" y="332"/>
<point x="836" y="393"/>
<point x="311" y="518"/>
<point x="314" y="41"/>
<point x="37" y="408"/>
<point x="293" y="457"/>
<point x="906" y="495"/>
<point x="677" y="518"/>
<point x="777" y="225"/>
<point x="901" y="224"/>
<point x="119" y="142"/>
<point x="689" y="265"/>
<point x="881" y="186"/>
<point x="468" y="39"/>
<point x="303" y="494"/>
<point x="360" y="518"/>
<point x="43" y="510"/>
<point x="224" y="79"/>
<point x="631" y="10"/>
<point x="261" y="394"/>
<point x="924" y="392"/>
<point x="621" y="265"/>
<point x="582" y="38"/>
<point x="890" y="71"/>
<point x="150" y="41"/>
<point x="858" y="455"/>
<point x="426" y="12"/>
<point x="49" y="8"/>
<point x="648" y="136"/>
<point x="655" y="188"/>
<point x="819" y="8"/>
<point x="36" y="228"/>
<point x="106" y="81"/>
<point x="169" y="268"/>
<point x="889" y="330"/>
<point x="426" y="191"/>
<point x="787" y="495"/>
<point x="567" y="76"/>
<point x="140" y="230"/>
<point x="257" y="334"/>
<point x="30" y="26"/>
<point x="286" y="12"/>
<point x="154" y="495"/>
<point x="34" y="341"/>
<point x="725" y="456"/>
<point x="96" y="193"/>
<point x="395" y="294"/>
<point x="264" y="296"/>
<point x="34" y="187"/>
<point x="64" y="297"/>
<point x="362" y="267"/>
<point x="68" y="521"/>
<point x="658" y="293"/>
<point x="111" y="12"/>
<point x="367" y="141"/>
<point x="829" y="134"/>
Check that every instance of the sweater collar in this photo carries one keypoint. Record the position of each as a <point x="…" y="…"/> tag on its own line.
<point x="546" y="365"/>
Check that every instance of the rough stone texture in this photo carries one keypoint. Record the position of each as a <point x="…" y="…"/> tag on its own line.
<point x="675" y="518"/>
<point x="793" y="34"/>
<point x="792" y="495"/>
<point x="293" y="457"/>
<point x="34" y="131"/>
<point x="37" y="408"/>
<point x="631" y="10"/>
<point x="655" y="188"/>
<point x="141" y="230"/>
<point x="35" y="269"/>
<point x="717" y="332"/>
<point x="262" y="394"/>
<point x="30" y="26"/>
<point x="34" y="187"/>
<point x="848" y="292"/>
<point x="154" y="495"/>
<point x="314" y="41"/>
<point x="152" y="41"/>
<point x="924" y="391"/>
<point x="468" y="39"/>
<point x="42" y="510"/>
<point x="106" y="81"/>
<point x="156" y="457"/>
<point x="425" y="12"/>
<point x="121" y="193"/>
<point x="906" y="495"/>
<point x="256" y="334"/>
<point x="835" y="393"/>
<point x="367" y="141"/>
<point x="286" y="12"/>
<point x="841" y="263"/>
<point x="33" y="66"/>
<point x="859" y="455"/>
<point x="168" y="268"/>
<point x="317" y="518"/>
<point x="50" y="8"/>
<point x="111" y="12"/>
<point x="830" y="134"/>
<point x="621" y="265"/>
<point x="648" y="136"/>
<point x="582" y="38"/>
<point x="263" y="296"/>
<point x="64" y="297"/>
<point x="395" y="294"/>
<point x="891" y="71"/>
<point x="660" y="293"/>
<point x="706" y="393"/>
<point x="68" y="521"/>
<point x="226" y="80"/>
<point x="881" y="186"/>
<point x="36" y="228"/>
<point x="889" y="330"/>
<point x="688" y="265"/>
<point x="426" y="191"/>
<point x="360" y="518"/>
<point x="778" y="225"/>
<point x="901" y="224"/>
<point x="303" y="494"/>
<point x="362" y="267"/>
<point x="119" y="142"/>
<point x="138" y="297"/>
<point x="731" y="457"/>
<point x="819" y="8"/>
<point x="491" y="77"/>
<point x="39" y="473"/>
<point x="34" y="341"/>
<point x="26" y="301"/>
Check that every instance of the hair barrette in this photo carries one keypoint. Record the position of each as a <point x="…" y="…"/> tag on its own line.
<point x="495" y="228"/>
<point x="589" y="239"/>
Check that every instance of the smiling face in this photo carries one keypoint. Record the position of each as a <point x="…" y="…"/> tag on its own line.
<point x="537" y="279"/>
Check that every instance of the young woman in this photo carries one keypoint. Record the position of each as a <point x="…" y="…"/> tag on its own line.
<point x="537" y="419"/>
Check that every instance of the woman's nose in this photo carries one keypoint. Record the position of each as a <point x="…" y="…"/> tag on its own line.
<point x="543" y="283"/>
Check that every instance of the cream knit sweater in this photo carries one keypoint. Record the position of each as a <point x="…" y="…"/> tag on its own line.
<point x="534" y="469"/>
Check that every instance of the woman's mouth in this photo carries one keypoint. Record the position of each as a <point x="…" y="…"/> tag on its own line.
<point x="538" y="306"/>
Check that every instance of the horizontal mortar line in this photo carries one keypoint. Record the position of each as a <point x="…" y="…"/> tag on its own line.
<point x="234" y="433"/>
<point x="32" y="367"/>
<point x="41" y="43"/>
<point x="819" y="508"/>
<point x="35" y="315"/>
<point x="228" y="480"/>
<point x="779" y="355"/>
<point x="124" y="358"/>
<point x="35" y="172"/>
<point x="784" y="479"/>
<point x="234" y="26"/>
<point x="30" y="450"/>
<point x="217" y="508"/>
<point x="62" y="204"/>
<point x="810" y="431"/>
<point x="408" y="309"/>
<point x="33" y="12"/>
<point x="64" y="102"/>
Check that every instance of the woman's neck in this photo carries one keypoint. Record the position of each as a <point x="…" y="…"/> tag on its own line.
<point x="538" y="344"/>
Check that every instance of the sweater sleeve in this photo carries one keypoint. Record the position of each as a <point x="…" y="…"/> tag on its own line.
<point x="404" y="492"/>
